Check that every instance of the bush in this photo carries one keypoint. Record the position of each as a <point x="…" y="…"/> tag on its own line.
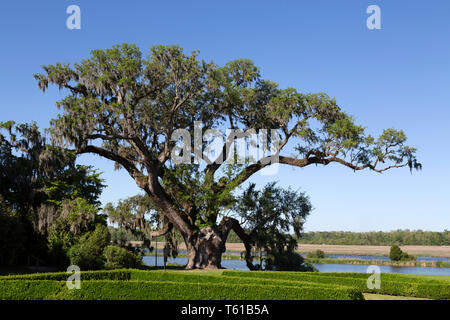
<point x="88" y="253"/>
<point x="318" y="254"/>
<point x="287" y="261"/>
<point x="117" y="258"/>
<point x="396" y="254"/>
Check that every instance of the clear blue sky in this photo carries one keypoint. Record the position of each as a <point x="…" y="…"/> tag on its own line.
<point x="395" y="77"/>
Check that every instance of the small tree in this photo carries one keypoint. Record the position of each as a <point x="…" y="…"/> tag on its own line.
<point x="396" y="254"/>
<point x="88" y="252"/>
<point x="269" y="216"/>
<point x="117" y="257"/>
<point x="318" y="254"/>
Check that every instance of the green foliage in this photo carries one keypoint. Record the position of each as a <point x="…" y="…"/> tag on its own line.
<point x="392" y="284"/>
<point x="287" y="261"/>
<point x="396" y="254"/>
<point x="117" y="258"/>
<point x="88" y="252"/>
<point x="74" y="183"/>
<point x="153" y="290"/>
<point x="137" y="217"/>
<point x="171" y="285"/>
<point x="124" y="274"/>
<point x="134" y="104"/>
<point x="306" y="285"/>
<point x="40" y="182"/>
<point x="12" y="235"/>
<point x="30" y="290"/>
<point x="269" y="216"/>
<point x="402" y="237"/>
<point x="75" y="218"/>
<point x="318" y="254"/>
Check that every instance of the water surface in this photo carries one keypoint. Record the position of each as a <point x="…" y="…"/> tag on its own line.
<point x="327" y="267"/>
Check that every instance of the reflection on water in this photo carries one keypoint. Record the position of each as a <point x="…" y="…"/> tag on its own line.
<point x="240" y="265"/>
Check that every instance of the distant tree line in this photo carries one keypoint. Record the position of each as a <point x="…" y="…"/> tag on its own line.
<point x="399" y="237"/>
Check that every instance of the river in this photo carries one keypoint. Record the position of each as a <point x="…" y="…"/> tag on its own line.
<point x="327" y="267"/>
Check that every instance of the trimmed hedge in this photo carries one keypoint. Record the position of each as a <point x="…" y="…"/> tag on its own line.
<point x="314" y="285"/>
<point x="129" y="274"/>
<point x="120" y="274"/>
<point x="162" y="285"/>
<point x="157" y="290"/>
<point x="384" y="276"/>
<point x="30" y="289"/>
<point x="432" y="289"/>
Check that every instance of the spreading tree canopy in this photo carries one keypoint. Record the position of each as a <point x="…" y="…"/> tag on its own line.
<point x="126" y="108"/>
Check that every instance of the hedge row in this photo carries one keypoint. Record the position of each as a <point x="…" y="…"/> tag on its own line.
<point x="130" y="274"/>
<point x="30" y="289"/>
<point x="384" y="276"/>
<point x="199" y="278"/>
<point x="121" y="274"/>
<point x="157" y="290"/>
<point x="422" y="289"/>
<point x="208" y="278"/>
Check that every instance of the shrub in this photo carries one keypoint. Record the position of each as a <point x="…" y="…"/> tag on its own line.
<point x="117" y="258"/>
<point x="318" y="254"/>
<point x="88" y="253"/>
<point x="287" y="261"/>
<point x="396" y="254"/>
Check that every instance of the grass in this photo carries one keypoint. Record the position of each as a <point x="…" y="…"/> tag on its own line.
<point x="374" y="296"/>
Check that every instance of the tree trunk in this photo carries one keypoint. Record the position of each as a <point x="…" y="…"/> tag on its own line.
<point x="204" y="249"/>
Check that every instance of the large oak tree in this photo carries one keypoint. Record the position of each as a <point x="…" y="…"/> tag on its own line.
<point x="125" y="107"/>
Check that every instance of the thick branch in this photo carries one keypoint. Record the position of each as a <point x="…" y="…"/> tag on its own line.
<point x="166" y="228"/>
<point x="127" y="164"/>
<point x="236" y="227"/>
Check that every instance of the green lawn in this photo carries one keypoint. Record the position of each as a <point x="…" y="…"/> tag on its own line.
<point x="374" y="296"/>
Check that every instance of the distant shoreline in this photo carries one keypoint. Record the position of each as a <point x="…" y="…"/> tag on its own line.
<point x="351" y="250"/>
<point x="429" y="251"/>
